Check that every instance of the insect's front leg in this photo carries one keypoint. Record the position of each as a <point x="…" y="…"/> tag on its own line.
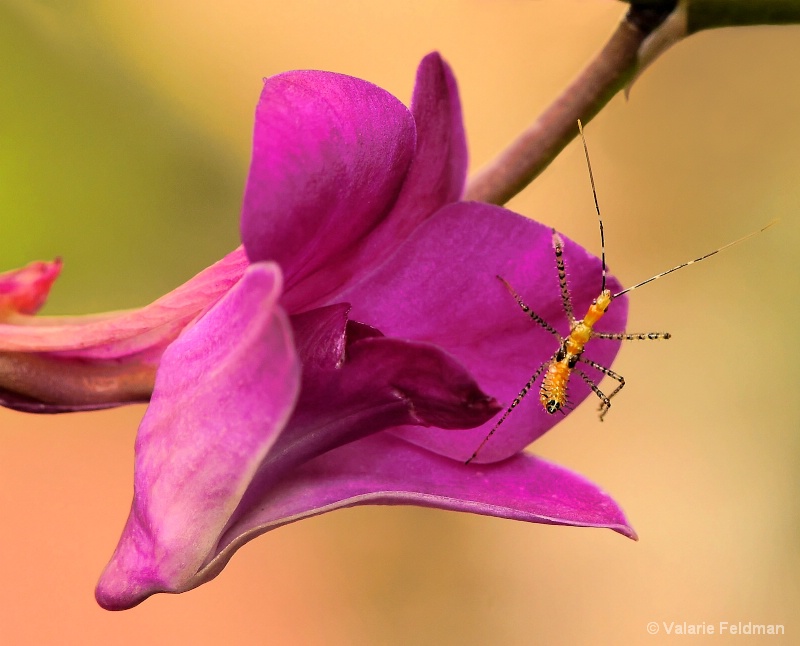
<point x="566" y="300"/>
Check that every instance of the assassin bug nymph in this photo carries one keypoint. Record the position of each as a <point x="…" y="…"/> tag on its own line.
<point x="558" y="369"/>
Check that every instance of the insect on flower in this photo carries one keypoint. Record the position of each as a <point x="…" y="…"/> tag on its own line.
<point x="558" y="369"/>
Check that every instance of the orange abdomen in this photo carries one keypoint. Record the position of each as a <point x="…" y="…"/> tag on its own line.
<point x="553" y="393"/>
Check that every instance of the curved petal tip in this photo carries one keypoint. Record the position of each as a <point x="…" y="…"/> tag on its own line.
<point x="24" y="291"/>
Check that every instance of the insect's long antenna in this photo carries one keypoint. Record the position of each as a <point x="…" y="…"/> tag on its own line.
<point x="596" y="207"/>
<point x="691" y="262"/>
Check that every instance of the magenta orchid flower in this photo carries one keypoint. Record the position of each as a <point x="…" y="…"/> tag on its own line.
<point x="353" y="357"/>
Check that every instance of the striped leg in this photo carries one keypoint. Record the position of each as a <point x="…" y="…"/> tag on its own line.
<point x="514" y="404"/>
<point x="628" y="336"/>
<point x="605" y="401"/>
<point x="566" y="301"/>
<point x="606" y="371"/>
<point x="534" y="316"/>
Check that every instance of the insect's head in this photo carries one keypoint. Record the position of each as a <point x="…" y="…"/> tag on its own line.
<point x="604" y="300"/>
<point x="552" y="406"/>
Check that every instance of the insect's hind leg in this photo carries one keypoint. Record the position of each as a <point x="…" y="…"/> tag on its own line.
<point x="513" y="405"/>
<point x="620" y="336"/>
<point x="566" y="300"/>
<point x="606" y="403"/>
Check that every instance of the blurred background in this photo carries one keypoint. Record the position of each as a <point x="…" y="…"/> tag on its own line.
<point x="124" y="143"/>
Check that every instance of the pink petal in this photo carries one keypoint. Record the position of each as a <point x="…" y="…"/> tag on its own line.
<point x="440" y="286"/>
<point x="385" y="470"/>
<point x="349" y="390"/>
<point x="439" y="171"/>
<point x="330" y="154"/>
<point x="435" y="178"/>
<point x="223" y="393"/>
<point x="118" y="334"/>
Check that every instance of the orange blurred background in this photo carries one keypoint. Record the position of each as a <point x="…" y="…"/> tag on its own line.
<point x="124" y="143"/>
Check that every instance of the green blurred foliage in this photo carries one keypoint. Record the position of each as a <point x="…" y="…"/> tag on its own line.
<point x="97" y="169"/>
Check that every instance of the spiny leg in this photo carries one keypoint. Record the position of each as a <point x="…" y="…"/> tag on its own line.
<point x="514" y="404"/>
<point x="606" y="403"/>
<point x="534" y="316"/>
<point x="631" y="336"/>
<point x="606" y="371"/>
<point x="566" y="300"/>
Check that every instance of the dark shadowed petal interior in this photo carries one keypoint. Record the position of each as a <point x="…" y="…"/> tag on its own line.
<point x="379" y="383"/>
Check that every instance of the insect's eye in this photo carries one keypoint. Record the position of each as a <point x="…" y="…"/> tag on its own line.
<point x="552" y="406"/>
